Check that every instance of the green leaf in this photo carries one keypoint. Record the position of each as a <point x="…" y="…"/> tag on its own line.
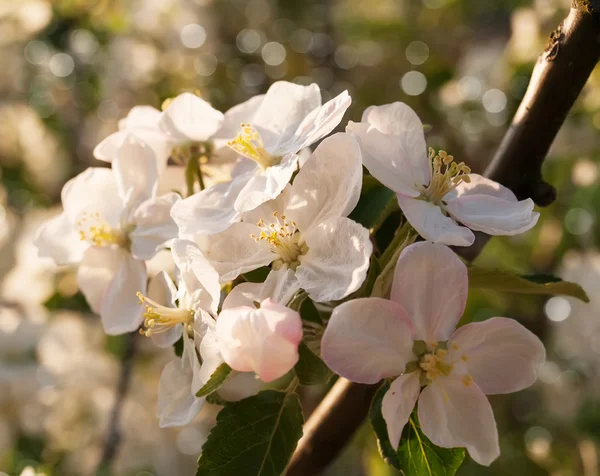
<point x="257" y="275"/>
<point x="372" y="204"/>
<point x="216" y="380"/>
<point x="310" y="369"/>
<point x="255" y="436"/>
<point x="178" y="347"/>
<point x="309" y="312"/>
<point x="386" y="450"/>
<point x="506" y="281"/>
<point x="416" y="454"/>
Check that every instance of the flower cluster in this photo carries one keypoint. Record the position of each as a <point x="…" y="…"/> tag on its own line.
<point x="283" y="209"/>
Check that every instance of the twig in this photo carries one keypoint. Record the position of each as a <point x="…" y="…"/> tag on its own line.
<point x="556" y="82"/>
<point x="113" y="437"/>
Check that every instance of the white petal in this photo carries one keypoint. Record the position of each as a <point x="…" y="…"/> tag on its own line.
<point x="431" y="283"/>
<point x="393" y="146"/>
<point x="190" y="260"/>
<point x="263" y="340"/>
<point x="432" y="224"/>
<point x="398" y="403"/>
<point x="502" y="355"/>
<point x="284" y="106"/>
<point x="266" y="184"/>
<point x="121" y="310"/>
<point x="93" y="191"/>
<point x="320" y="122"/>
<point x="238" y="115"/>
<point x="329" y="184"/>
<point x="367" y="339"/>
<point x="136" y="171"/>
<point x="97" y="270"/>
<point x="492" y="215"/>
<point x="161" y="145"/>
<point x="280" y="286"/>
<point x="177" y="404"/>
<point x="162" y="290"/>
<point x="141" y="116"/>
<point x="234" y="251"/>
<point x="154" y="227"/>
<point x="58" y="239"/>
<point x="453" y="414"/>
<point x="210" y="211"/>
<point x="244" y="294"/>
<point x="190" y="118"/>
<point x="479" y="185"/>
<point x="337" y="259"/>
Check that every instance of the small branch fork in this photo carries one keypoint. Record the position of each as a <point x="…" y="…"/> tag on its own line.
<point x="557" y="79"/>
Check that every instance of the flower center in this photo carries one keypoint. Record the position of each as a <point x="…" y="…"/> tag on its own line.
<point x="446" y="175"/>
<point x="284" y="240"/>
<point x="432" y="362"/>
<point x="96" y="231"/>
<point x="249" y="144"/>
<point x="159" y="318"/>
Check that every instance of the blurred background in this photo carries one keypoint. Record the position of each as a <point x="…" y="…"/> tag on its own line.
<point x="72" y="68"/>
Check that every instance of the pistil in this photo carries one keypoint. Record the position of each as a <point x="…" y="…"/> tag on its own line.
<point x="159" y="318"/>
<point x="446" y="175"/>
<point x="249" y="144"/>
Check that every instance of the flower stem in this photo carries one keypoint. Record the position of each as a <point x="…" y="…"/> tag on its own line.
<point x="401" y="234"/>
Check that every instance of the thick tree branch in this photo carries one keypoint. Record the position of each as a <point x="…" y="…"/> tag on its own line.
<point x="557" y="80"/>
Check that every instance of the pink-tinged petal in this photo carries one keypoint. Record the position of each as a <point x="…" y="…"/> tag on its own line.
<point x="479" y="185"/>
<point x="154" y="227"/>
<point x="209" y="211"/>
<point x="398" y="403"/>
<point x="240" y="386"/>
<point x="263" y="340"/>
<point x="266" y="184"/>
<point x="393" y="145"/>
<point x="501" y="355"/>
<point x="337" y="260"/>
<point x="58" y="239"/>
<point x="431" y="283"/>
<point x="162" y="290"/>
<point x="121" y="311"/>
<point x="492" y="215"/>
<point x="234" y="251"/>
<point x="190" y="118"/>
<point x="320" y="122"/>
<point x="96" y="271"/>
<point x="197" y="273"/>
<point x="93" y="191"/>
<point x="432" y="224"/>
<point x="329" y="184"/>
<point x="135" y="171"/>
<point x="368" y="339"/>
<point x="238" y="115"/>
<point x="284" y="106"/>
<point x="453" y="414"/>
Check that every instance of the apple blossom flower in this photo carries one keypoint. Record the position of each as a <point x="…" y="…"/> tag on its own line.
<point x="305" y="229"/>
<point x="289" y="118"/>
<point x="434" y="192"/>
<point x="112" y="222"/>
<point x="412" y="338"/>
<point x="188" y="312"/>
<point x="263" y="340"/>
<point x="187" y="119"/>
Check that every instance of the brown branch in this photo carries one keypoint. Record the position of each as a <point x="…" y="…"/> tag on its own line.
<point x="113" y="437"/>
<point x="557" y="80"/>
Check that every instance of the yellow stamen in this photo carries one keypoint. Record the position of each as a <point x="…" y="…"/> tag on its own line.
<point x="96" y="231"/>
<point x="159" y="318"/>
<point x="284" y="240"/>
<point x="446" y="175"/>
<point x="249" y="144"/>
<point x="467" y="380"/>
